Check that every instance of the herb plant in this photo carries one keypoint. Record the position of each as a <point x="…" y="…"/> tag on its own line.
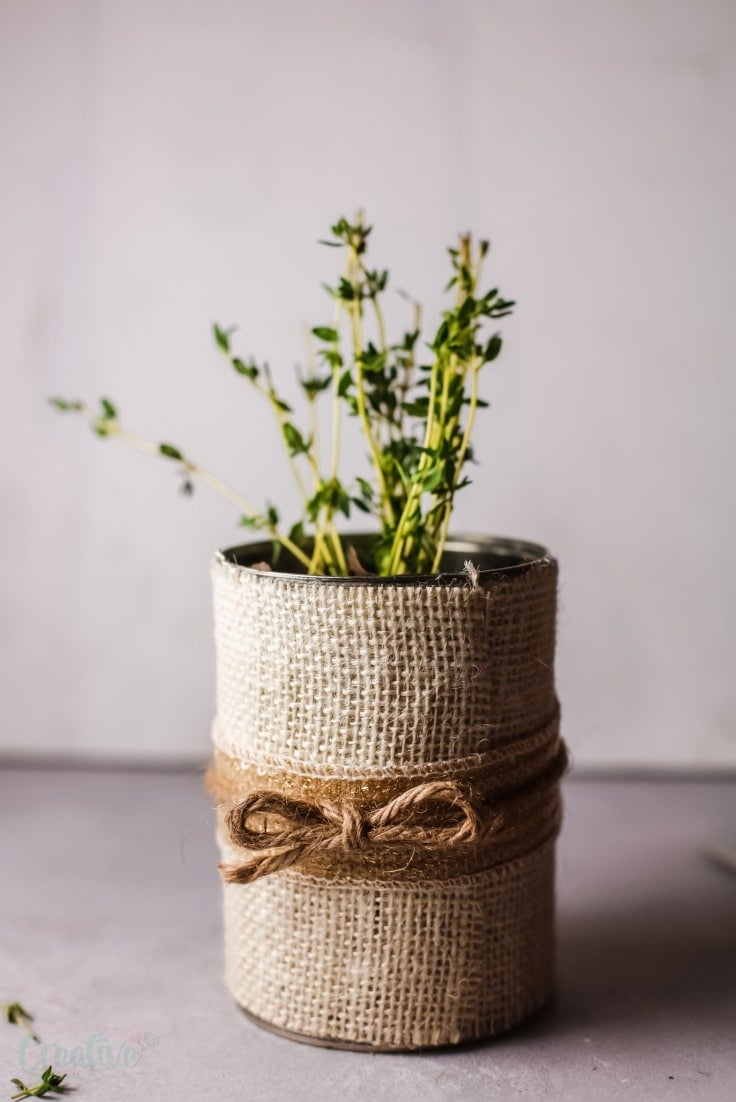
<point x="50" y="1083"/>
<point x="415" y="404"/>
<point x="17" y="1015"/>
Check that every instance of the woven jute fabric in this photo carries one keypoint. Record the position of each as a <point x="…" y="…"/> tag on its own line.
<point x="514" y="789"/>
<point x="355" y="693"/>
<point x="392" y="964"/>
<point x="335" y="678"/>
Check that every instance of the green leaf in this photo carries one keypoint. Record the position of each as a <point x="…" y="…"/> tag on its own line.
<point x="442" y="334"/>
<point x="17" y="1014"/>
<point x="170" y="452"/>
<point x="314" y="385"/>
<point x="331" y="356"/>
<point x="372" y="361"/>
<point x="249" y="370"/>
<point x="314" y="505"/>
<point x="66" y="406"/>
<point x="343" y="501"/>
<point x="346" y="382"/>
<point x="466" y="310"/>
<point x="222" y="337"/>
<point x="418" y="408"/>
<point x="108" y="409"/>
<point x="347" y="292"/>
<point x="325" y="333"/>
<point x="436" y="476"/>
<point x="295" y="441"/>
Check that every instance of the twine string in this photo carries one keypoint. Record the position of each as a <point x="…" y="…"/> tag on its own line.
<point x="437" y="815"/>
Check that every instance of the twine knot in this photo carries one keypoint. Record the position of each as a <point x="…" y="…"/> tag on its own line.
<point x="436" y="815"/>
<point x="352" y="828"/>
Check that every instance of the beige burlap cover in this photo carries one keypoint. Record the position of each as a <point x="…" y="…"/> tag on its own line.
<point x="342" y="690"/>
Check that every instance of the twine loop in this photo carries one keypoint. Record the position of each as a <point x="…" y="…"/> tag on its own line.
<point x="435" y="815"/>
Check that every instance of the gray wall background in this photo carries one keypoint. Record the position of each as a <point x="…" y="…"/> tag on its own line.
<point x="172" y="162"/>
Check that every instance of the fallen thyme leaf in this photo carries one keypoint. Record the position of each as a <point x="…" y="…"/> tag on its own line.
<point x="17" y="1015"/>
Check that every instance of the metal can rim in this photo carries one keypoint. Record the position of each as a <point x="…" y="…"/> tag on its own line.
<point x="523" y="553"/>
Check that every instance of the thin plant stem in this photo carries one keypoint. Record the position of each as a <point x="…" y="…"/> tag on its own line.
<point x="355" y="318"/>
<point x="148" y="447"/>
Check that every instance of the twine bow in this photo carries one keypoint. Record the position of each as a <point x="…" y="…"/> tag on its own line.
<point x="436" y="815"/>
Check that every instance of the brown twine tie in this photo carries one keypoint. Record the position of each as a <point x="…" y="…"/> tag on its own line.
<point x="436" y="815"/>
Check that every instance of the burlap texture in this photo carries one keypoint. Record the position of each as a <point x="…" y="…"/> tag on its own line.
<point x="325" y="684"/>
<point x="394" y="964"/>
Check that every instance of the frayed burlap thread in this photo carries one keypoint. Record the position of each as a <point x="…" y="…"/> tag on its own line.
<point x="330" y="690"/>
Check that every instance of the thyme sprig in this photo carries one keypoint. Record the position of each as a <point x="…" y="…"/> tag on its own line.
<point x="105" y="423"/>
<point x="416" y="413"/>
<point x="50" y="1083"/>
<point x="18" y="1015"/>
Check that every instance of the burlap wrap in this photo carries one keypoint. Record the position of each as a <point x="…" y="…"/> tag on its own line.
<point x="354" y="693"/>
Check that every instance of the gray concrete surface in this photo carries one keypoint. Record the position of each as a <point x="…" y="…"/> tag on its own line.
<point x="110" y="923"/>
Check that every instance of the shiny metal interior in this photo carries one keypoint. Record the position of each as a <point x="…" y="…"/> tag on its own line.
<point x="491" y="555"/>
